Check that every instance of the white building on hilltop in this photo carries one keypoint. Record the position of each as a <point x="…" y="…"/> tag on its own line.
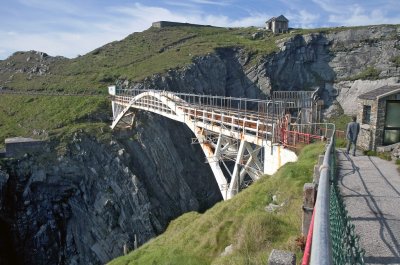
<point x="278" y="24"/>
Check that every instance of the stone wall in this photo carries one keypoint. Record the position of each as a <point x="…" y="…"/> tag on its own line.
<point x="17" y="147"/>
<point x="162" y="24"/>
<point x="367" y="131"/>
<point x="371" y="135"/>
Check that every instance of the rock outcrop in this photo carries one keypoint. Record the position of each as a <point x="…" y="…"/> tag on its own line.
<point x="87" y="206"/>
<point x="335" y="62"/>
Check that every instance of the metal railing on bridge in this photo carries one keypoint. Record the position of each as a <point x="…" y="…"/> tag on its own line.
<point x="257" y="107"/>
<point x="297" y="99"/>
<point x="255" y="117"/>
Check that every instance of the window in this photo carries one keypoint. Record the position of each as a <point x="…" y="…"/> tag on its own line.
<point x="366" y="114"/>
<point x="392" y="123"/>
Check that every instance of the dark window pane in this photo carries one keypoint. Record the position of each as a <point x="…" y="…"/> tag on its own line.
<point x="391" y="137"/>
<point x="392" y="114"/>
<point x="366" y="114"/>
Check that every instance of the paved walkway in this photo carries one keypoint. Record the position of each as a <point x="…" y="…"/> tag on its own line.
<point x="370" y="187"/>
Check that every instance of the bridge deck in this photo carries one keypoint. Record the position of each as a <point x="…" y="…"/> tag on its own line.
<point x="371" y="190"/>
<point x="255" y="126"/>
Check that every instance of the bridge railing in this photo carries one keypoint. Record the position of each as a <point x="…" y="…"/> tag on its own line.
<point x="297" y="99"/>
<point x="293" y="134"/>
<point x="333" y="240"/>
<point x="321" y="250"/>
<point x="259" y="108"/>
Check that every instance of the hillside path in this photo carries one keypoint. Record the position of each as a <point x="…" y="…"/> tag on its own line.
<point x="370" y="187"/>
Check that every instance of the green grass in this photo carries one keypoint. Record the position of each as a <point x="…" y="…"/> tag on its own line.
<point x="142" y="54"/>
<point x="55" y="118"/>
<point x="382" y="155"/>
<point x="137" y="56"/>
<point x="396" y="61"/>
<point x="341" y="142"/>
<point x="340" y="122"/>
<point x="370" y="73"/>
<point x="242" y="221"/>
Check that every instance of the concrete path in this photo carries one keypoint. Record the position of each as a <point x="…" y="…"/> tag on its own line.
<point x="370" y="187"/>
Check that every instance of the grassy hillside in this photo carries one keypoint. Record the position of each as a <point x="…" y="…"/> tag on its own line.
<point x="134" y="58"/>
<point x="52" y="117"/>
<point x="139" y="55"/>
<point x="199" y="239"/>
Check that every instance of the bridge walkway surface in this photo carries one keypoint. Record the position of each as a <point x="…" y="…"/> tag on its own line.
<point x="370" y="187"/>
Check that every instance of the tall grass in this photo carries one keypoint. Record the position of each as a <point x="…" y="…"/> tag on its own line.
<point x="45" y="117"/>
<point x="241" y="222"/>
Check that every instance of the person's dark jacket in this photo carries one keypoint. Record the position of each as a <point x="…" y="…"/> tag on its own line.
<point x="353" y="128"/>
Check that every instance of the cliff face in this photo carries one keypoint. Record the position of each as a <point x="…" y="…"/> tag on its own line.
<point x="337" y="62"/>
<point x="84" y="207"/>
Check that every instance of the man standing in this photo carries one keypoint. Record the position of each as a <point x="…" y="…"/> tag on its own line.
<point x="353" y="128"/>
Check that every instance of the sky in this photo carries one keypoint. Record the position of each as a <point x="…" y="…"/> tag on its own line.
<point x="74" y="27"/>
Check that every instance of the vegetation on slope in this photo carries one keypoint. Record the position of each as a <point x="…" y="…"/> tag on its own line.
<point x="139" y="55"/>
<point x="199" y="239"/>
<point x="134" y="58"/>
<point x="153" y="51"/>
<point x="52" y="117"/>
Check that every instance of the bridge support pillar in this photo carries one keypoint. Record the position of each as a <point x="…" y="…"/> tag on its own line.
<point x="234" y="185"/>
<point x="277" y="157"/>
<point x="212" y="157"/>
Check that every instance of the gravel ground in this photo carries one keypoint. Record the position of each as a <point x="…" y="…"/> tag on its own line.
<point x="370" y="187"/>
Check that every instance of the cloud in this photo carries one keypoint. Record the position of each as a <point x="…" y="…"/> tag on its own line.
<point x="70" y="28"/>
<point x="73" y="35"/>
<point x="303" y="19"/>
<point x="51" y="5"/>
<point x="354" y="13"/>
<point x="211" y="2"/>
<point x="65" y="44"/>
<point x="148" y="14"/>
<point x="357" y="15"/>
<point x="330" y="7"/>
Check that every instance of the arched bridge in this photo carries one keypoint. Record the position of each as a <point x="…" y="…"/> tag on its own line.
<point x="241" y="138"/>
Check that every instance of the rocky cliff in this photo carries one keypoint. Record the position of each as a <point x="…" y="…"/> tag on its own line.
<point x="340" y="62"/>
<point x="86" y="206"/>
<point x="89" y="205"/>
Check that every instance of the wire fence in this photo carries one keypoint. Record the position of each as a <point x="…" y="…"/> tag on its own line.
<point x="334" y="240"/>
<point x="346" y="249"/>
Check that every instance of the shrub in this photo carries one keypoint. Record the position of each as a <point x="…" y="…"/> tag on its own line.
<point x="370" y="73"/>
<point x="396" y="60"/>
<point x="382" y="155"/>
